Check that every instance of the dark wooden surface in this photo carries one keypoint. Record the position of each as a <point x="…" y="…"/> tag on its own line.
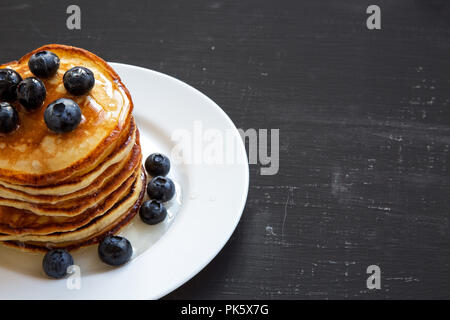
<point x="364" y="130"/>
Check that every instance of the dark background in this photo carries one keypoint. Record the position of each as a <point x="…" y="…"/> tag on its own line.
<point x="364" y="130"/>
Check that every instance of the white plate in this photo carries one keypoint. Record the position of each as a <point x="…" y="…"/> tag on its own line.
<point x="209" y="202"/>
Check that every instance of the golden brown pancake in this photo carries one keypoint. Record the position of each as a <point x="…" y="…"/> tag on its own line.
<point x="45" y="228"/>
<point x="34" y="155"/>
<point x="115" y="171"/>
<point x="75" y="206"/>
<point x="70" y="186"/>
<point x="72" y="189"/>
<point x="92" y="237"/>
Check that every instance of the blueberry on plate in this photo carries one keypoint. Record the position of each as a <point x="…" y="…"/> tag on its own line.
<point x="157" y="164"/>
<point x="161" y="188"/>
<point x="31" y="93"/>
<point x="9" y="79"/>
<point x="115" y="250"/>
<point x="56" y="262"/>
<point x="62" y="115"/>
<point x="44" y="64"/>
<point x="9" y="119"/>
<point x="79" y="80"/>
<point x="152" y="212"/>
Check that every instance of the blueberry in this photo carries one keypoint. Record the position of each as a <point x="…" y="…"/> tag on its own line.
<point x="115" y="250"/>
<point x="152" y="212"/>
<point x="157" y="164"/>
<point x="9" y="119"/>
<point x="79" y="81"/>
<point x="161" y="188"/>
<point x="44" y="64"/>
<point x="31" y="93"/>
<point x="56" y="262"/>
<point x="62" y="115"/>
<point x="9" y="79"/>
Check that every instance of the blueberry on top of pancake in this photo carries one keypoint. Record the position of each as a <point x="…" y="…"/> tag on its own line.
<point x="9" y="118"/>
<point x="9" y="79"/>
<point x="44" y="64"/>
<point x="62" y="115"/>
<point x="31" y="93"/>
<point x="79" y="81"/>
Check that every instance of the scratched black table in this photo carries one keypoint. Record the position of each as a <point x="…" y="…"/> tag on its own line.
<point x="364" y="130"/>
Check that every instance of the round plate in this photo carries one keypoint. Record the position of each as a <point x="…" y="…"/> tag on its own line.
<point x="210" y="168"/>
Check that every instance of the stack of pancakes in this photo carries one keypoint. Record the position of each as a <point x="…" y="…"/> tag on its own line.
<point x="69" y="190"/>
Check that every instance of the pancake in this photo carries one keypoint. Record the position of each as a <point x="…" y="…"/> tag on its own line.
<point x="81" y="182"/>
<point x="33" y="155"/>
<point x="102" y="177"/>
<point x="68" y="190"/>
<point x="45" y="228"/>
<point x="93" y="232"/>
<point x="76" y="206"/>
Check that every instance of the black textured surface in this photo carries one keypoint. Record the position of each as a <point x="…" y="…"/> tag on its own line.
<point x="364" y="130"/>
